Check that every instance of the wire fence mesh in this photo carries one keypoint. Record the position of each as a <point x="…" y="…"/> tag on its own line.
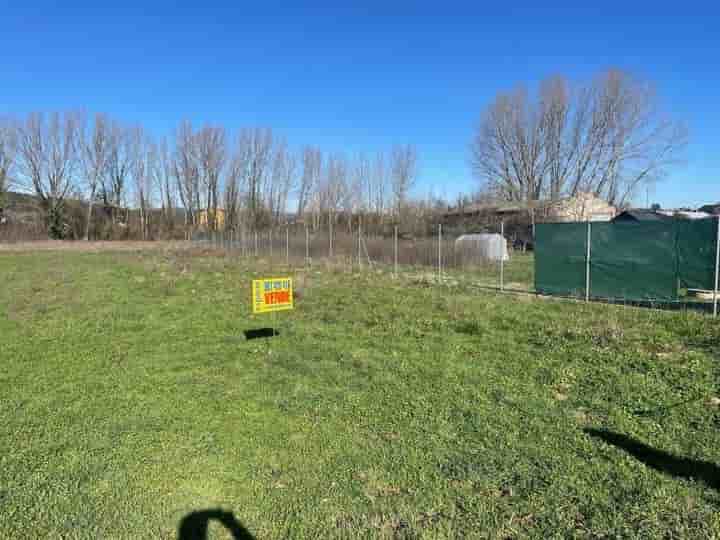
<point x="441" y="257"/>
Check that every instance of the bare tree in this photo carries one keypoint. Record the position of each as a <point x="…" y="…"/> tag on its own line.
<point x="142" y="156"/>
<point x="119" y="161"/>
<point x="362" y="182"/>
<point x="555" y="112"/>
<point x="312" y="162"/>
<point x="211" y="156"/>
<point x="508" y="147"/>
<point x="187" y="173"/>
<point x="380" y="190"/>
<point x="605" y="138"/>
<point x="236" y="181"/>
<point x="403" y="174"/>
<point x="352" y="189"/>
<point x="259" y="142"/>
<point x="282" y="180"/>
<point x="8" y="151"/>
<point x="48" y="159"/>
<point x="162" y="175"/>
<point x="94" y="156"/>
<point x="334" y="186"/>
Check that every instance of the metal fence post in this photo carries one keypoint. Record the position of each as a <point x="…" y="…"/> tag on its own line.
<point x="587" y="265"/>
<point x="287" y="246"/>
<point x="359" y="244"/>
<point x="330" y="227"/>
<point x="256" y="244"/>
<point x="270" y="236"/>
<point x="307" y="246"/>
<point x="396" y="251"/>
<point x="717" y="269"/>
<point x="502" y="256"/>
<point x="440" y="252"/>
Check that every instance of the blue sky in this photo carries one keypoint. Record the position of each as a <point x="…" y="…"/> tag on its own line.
<point x="361" y="76"/>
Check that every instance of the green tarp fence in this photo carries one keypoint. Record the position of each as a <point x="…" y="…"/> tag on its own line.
<point x="651" y="260"/>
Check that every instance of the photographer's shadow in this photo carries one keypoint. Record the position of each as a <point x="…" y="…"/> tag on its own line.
<point x="194" y="526"/>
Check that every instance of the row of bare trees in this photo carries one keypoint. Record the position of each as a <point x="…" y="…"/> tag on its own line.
<point x="208" y="176"/>
<point x="8" y="149"/>
<point x="607" y="137"/>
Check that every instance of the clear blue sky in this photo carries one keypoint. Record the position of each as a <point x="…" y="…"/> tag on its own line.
<point x="361" y="76"/>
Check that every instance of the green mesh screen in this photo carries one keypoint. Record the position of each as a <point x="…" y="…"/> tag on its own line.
<point x="696" y="253"/>
<point x="560" y="258"/>
<point x="628" y="260"/>
<point x="633" y="260"/>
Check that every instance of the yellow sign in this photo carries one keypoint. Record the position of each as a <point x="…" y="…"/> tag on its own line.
<point x="274" y="294"/>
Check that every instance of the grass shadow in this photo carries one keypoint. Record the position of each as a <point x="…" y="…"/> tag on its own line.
<point x="703" y="471"/>
<point x="194" y="526"/>
<point x="261" y="333"/>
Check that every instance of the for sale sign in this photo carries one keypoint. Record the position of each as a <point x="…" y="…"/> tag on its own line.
<point x="272" y="294"/>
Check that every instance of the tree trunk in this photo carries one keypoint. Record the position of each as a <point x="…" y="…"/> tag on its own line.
<point x="89" y="217"/>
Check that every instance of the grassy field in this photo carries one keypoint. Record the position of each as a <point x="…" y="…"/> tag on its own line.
<point x="384" y="409"/>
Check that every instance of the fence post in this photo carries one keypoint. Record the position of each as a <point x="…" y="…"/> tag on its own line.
<point x="359" y="244"/>
<point x="307" y="246"/>
<point x="287" y="246"/>
<point x="502" y="256"/>
<point x="587" y="265"/>
<point x="717" y="269"/>
<point x="396" y="251"/>
<point x="330" y="228"/>
<point x="270" y="235"/>
<point x="256" y="244"/>
<point x="440" y="252"/>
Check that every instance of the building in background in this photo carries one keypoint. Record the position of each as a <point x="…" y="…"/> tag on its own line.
<point x="582" y="207"/>
<point x="219" y="219"/>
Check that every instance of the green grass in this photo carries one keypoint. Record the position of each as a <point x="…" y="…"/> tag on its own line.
<point x="385" y="408"/>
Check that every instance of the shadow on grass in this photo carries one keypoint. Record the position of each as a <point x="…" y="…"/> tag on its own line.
<point x="194" y="526"/>
<point x="261" y="333"/>
<point x="667" y="463"/>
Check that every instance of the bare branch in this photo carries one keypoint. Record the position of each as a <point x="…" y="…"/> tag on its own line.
<point x="606" y="138"/>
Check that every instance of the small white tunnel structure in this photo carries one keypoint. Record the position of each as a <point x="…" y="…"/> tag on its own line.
<point x="479" y="248"/>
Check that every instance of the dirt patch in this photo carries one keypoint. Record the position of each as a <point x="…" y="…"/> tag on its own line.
<point x="91" y="247"/>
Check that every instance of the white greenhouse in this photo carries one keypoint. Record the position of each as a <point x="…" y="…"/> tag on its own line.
<point x="481" y="248"/>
